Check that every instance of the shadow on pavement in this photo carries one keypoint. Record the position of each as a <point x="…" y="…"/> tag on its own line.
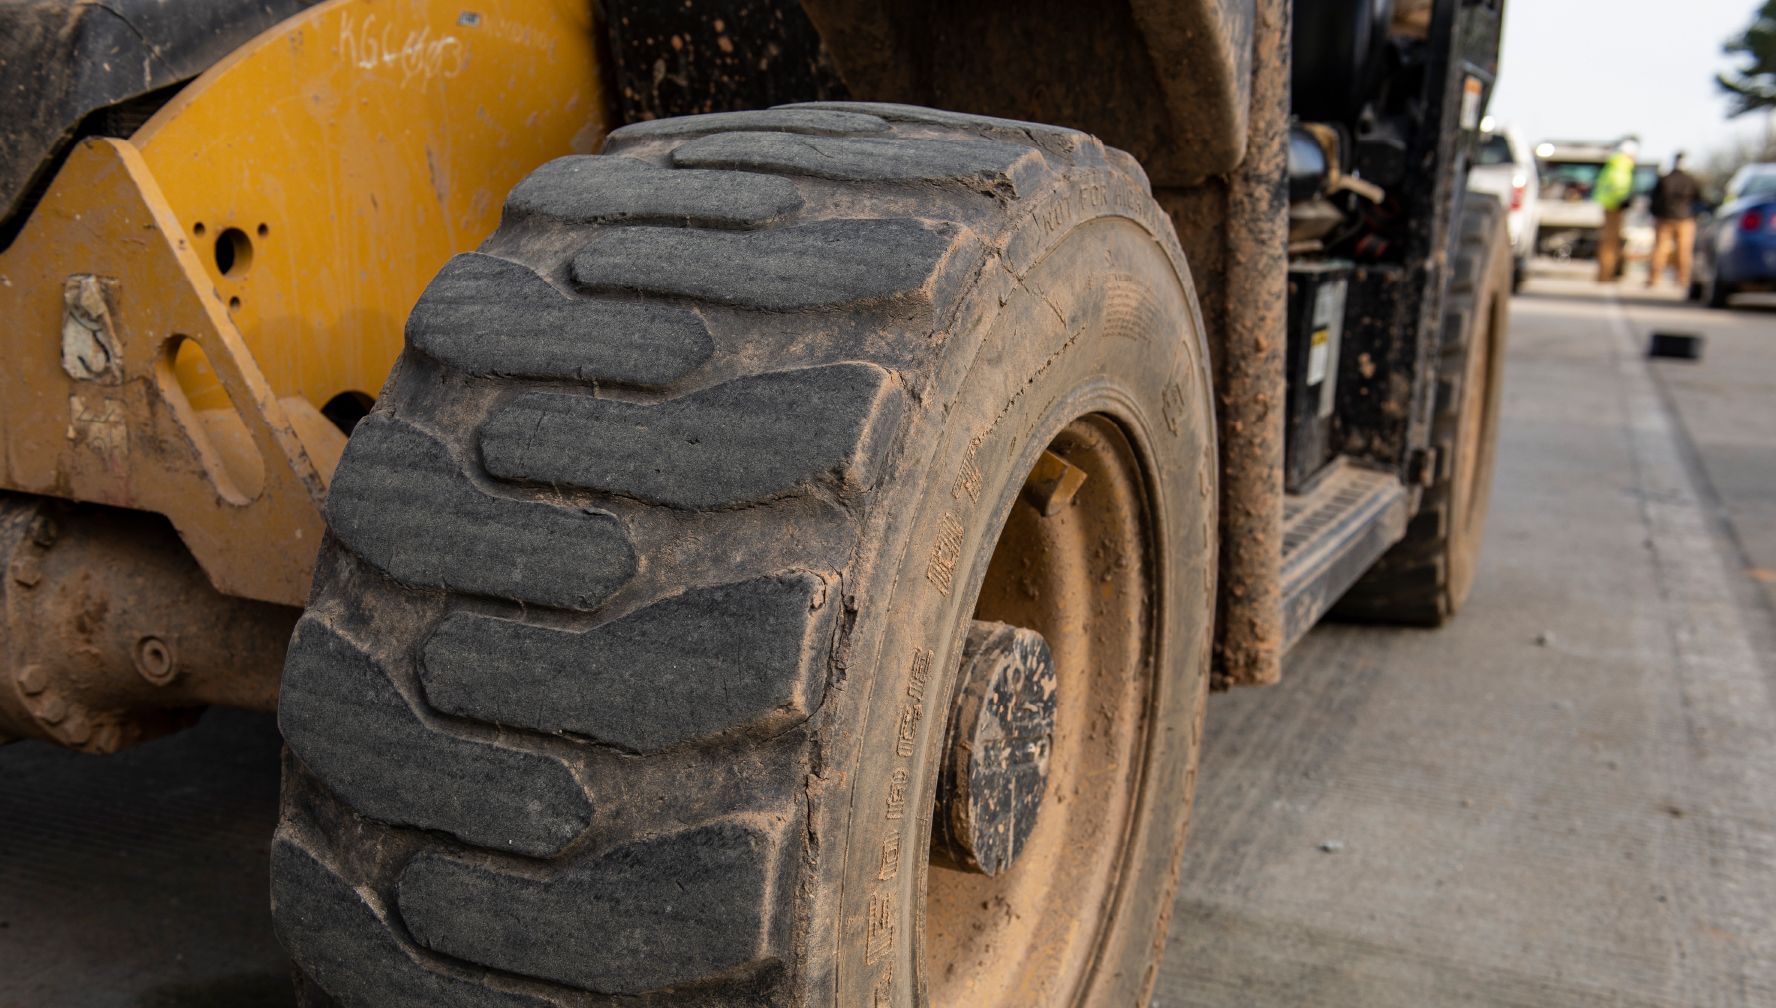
<point x="140" y="880"/>
<point x="247" y="990"/>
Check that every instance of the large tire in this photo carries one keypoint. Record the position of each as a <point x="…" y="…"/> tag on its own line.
<point x="626" y="669"/>
<point x="1425" y="578"/>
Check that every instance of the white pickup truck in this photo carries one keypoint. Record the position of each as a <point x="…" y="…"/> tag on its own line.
<point x="1570" y="220"/>
<point x="1503" y="167"/>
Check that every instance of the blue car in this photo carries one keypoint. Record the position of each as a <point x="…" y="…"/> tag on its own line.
<point x="1736" y="249"/>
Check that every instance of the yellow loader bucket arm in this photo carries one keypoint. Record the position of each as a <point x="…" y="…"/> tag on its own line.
<point x="280" y="214"/>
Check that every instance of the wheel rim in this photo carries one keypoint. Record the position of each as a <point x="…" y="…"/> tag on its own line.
<point x="1084" y="578"/>
<point x="1472" y="444"/>
<point x="1476" y="445"/>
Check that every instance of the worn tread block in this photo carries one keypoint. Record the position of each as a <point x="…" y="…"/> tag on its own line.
<point x="808" y="121"/>
<point x="1051" y="138"/>
<point x="402" y="502"/>
<point x="742" y="442"/>
<point x="346" y="946"/>
<point x="616" y="190"/>
<point x="654" y="914"/>
<point x="980" y="164"/>
<point x="816" y="265"/>
<point x="489" y="316"/>
<point x="710" y="661"/>
<point x="344" y="719"/>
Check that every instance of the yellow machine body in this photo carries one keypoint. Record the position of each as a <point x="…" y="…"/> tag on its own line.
<point x="181" y="305"/>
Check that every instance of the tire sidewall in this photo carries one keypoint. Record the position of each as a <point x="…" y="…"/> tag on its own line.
<point x="1482" y="383"/>
<point x="1016" y="373"/>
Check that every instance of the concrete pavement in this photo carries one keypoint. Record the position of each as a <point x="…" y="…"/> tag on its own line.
<point x="1567" y="796"/>
<point x="140" y="880"/>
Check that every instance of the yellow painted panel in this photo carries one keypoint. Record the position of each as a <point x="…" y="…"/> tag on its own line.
<point x="91" y="411"/>
<point x="326" y="170"/>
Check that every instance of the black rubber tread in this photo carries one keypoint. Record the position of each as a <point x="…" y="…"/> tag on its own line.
<point x="403" y="478"/>
<point x="820" y="265"/>
<point x="700" y="887"/>
<point x="348" y="947"/>
<point x="1411" y="584"/>
<point x="781" y="432"/>
<point x="617" y="190"/>
<point x="641" y="682"/>
<point x="610" y="613"/>
<point x="982" y="164"/>
<point x="346" y="721"/>
<point x="465" y="319"/>
<point x="838" y="120"/>
<point x="1054" y="140"/>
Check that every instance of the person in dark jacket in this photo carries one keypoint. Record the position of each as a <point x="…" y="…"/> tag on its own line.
<point x="1674" y="219"/>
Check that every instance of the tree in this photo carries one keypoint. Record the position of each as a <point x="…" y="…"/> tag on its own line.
<point x="1753" y="85"/>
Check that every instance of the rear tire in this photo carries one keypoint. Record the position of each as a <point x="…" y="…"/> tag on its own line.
<point x="627" y="668"/>
<point x="1424" y="579"/>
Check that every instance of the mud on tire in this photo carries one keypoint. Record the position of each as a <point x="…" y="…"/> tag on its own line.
<point x="1425" y="578"/>
<point x="627" y="660"/>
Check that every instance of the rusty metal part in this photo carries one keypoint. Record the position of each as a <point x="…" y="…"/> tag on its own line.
<point x="1211" y="101"/>
<point x="1167" y="82"/>
<point x="1242" y="278"/>
<point x="111" y="635"/>
<point x="1053" y="483"/>
<point x="1250" y="390"/>
<point x="1000" y="737"/>
<point x="183" y="304"/>
<point x="714" y="56"/>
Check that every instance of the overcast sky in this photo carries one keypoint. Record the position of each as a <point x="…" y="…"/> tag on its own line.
<point x="1596" y="69"/>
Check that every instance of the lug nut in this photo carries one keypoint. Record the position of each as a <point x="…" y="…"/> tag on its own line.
<point x="50" y="708"/>
<point x="109" y="739"/>
<point x="32" y="679"/>
<point x="44" y="531"/>
<point x="77" y="729"/>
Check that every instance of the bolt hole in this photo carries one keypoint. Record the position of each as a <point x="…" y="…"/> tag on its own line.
<point x="197" y="228"/>
<point x="154" y="660"/>
<point x="225" y="442"/>
<point x="233" y="303"/>
<point x="347" y="408"/>
<point x="264" y="229"/>
<point x="234" y="252"/>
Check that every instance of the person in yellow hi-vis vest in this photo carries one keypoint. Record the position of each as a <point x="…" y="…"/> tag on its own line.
<point x="1614" y="189"/>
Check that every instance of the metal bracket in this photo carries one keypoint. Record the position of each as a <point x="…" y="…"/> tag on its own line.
<point x="94" y="412"/>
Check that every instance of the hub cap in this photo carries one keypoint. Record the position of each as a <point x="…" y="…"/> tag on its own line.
<point x="996" y="767"/>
